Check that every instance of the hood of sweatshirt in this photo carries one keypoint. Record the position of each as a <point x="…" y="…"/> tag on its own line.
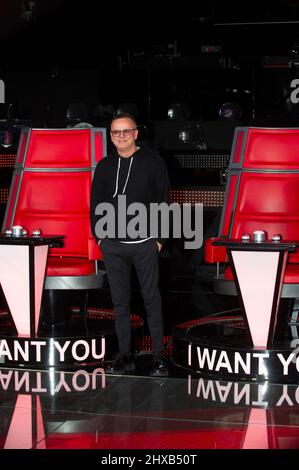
<point x="142" y="150"/>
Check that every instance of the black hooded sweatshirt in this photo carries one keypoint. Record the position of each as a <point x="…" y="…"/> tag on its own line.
<point x="142" y="178"/>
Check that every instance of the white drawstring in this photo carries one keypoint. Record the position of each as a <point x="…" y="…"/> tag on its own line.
<point x="128" y="174"/>
<point x="117" y="176"/>
<point x="116" y="184"/>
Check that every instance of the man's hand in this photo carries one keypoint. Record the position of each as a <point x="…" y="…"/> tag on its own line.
<point x="159" y="246"/>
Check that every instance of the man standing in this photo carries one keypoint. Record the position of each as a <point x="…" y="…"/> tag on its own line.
<point x="131" y="174"/>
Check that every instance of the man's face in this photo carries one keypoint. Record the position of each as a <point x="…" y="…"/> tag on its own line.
<point x="124" y="140"/>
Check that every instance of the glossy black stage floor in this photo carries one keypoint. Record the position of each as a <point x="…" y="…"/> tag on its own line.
<point x="91" y="410"/>
<point x="84" y="408"/>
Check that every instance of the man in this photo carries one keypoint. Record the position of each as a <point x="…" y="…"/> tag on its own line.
<point x="138" y="175"/>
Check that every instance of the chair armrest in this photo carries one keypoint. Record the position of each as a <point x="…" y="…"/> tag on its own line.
<point x="214" y="254"/>
<point x="94" y="251"/>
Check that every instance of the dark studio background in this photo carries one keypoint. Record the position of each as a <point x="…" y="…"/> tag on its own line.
<point x="57" y="52"/>
<point x="189" y="57"/>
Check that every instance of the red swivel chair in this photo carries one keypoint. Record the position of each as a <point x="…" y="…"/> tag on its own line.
<point x="262" y="194"/>
<point x="50" y="191"/>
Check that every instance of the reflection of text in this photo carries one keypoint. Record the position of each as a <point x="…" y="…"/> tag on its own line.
<point x="51" y="382"/>
<point x="237" y="393"/>
<point x="2" y="91"/>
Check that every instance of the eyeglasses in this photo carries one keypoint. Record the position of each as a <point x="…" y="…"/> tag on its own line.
<point x="125" y="132"/>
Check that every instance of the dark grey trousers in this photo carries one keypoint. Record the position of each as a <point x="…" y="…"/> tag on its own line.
<point x="118" y="259"/>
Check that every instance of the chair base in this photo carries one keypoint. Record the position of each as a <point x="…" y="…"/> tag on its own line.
<point x="224" y="287"/>
<point x="221" y="348"/>
<point x="94" y="281"/>
<point x="64" y="341"/>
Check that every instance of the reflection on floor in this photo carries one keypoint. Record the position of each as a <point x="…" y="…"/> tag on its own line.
<point x="92" y="410"/>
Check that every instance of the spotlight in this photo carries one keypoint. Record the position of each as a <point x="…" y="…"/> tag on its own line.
<point x="28" y="10"/>
<point x="8" y="137"/>
<point x="184" y="136"/>
<point x="295" y="50"/>
<point x="179" y="112"/>
<point x="230" y="111"/>
<point x="191" y="134"/>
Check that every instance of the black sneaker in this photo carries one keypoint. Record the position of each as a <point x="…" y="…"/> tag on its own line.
<point x="159" y="367"/>
<point x="121" y="364"/>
